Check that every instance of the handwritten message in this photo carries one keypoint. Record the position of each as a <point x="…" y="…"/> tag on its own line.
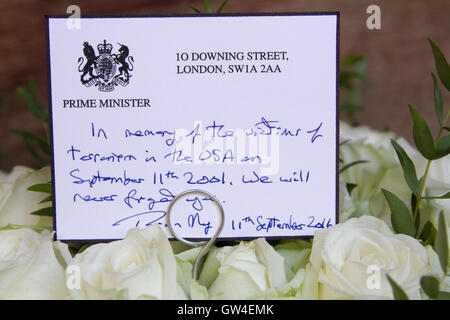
<point x="138" y="119"/>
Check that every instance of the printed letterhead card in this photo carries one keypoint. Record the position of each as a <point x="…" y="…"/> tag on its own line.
<point x="243" y="107"/>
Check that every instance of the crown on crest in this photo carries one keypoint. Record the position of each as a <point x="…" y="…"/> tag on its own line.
<point x="104" y="47"/>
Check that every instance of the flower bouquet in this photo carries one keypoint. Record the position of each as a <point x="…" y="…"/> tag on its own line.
<point x="392" y="240"/>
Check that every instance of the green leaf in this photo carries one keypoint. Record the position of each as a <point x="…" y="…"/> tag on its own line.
<point x="426" y="231"/>
<point x="222" y="6"/>
<point x="443" y="296"/>
<point x="27" y="136"/>
<point x="350" y="187"/>
<point x="442" y="147"/>
<point x="18" y="226"/>
<point x="444" y="196"/>
<point x="28" y="94"/>
<point x="430" y="285"/>
<point x="417" y="223"/>
<point x="413" y="201"/>
<point x="438" y="108"/>
<point x="351" y="78"/>
<point x="207" y="7"/>
<point x="353" y="67"/>
<point x="409" y="170"/>
<point x="447" y="128"/>
<point x="346" y="76"/>
<point x="441" y="63"/>
<point x="41" y="162"/>
<point x="194" y="8"/>
<point x="422" y="135"/>
<point x="84" y="247"/>
<point x="351" y="164"/>
<point x="41" y="187"/>
<point x="48" y="212"/>
<point x="441" y="244"/>
<point x="402" y="221"/>
<point x="397" y="291"/>
<point x="351" y="60"/>
<point x="47" y="199"/>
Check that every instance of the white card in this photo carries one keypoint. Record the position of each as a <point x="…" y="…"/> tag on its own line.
<point x="243" y="107"/>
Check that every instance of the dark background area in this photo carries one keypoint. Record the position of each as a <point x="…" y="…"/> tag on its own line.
<point x="399" y="58"/>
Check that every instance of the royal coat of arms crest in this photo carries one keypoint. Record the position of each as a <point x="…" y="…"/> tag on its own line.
<point x="105" y="70"/>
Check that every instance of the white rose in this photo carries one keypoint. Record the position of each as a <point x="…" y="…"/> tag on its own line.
<point x="365" y="135"/>
<point x="140" y="266"/>
<point x="296" y="255"/>
<point x="302" y="282"/>
<point x="185" y="265"/>
<point x="31" y="265"/>
<point x="16" y="202"/>
<point x="382" y="170"/>
<point x="243" y="271"/>
<point x="351" y="260"/>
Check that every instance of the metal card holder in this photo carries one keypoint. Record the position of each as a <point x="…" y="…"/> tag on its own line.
<point x="207" y="243"/>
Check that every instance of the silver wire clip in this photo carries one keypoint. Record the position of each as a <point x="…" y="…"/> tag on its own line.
<point x="207" y="243"/>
